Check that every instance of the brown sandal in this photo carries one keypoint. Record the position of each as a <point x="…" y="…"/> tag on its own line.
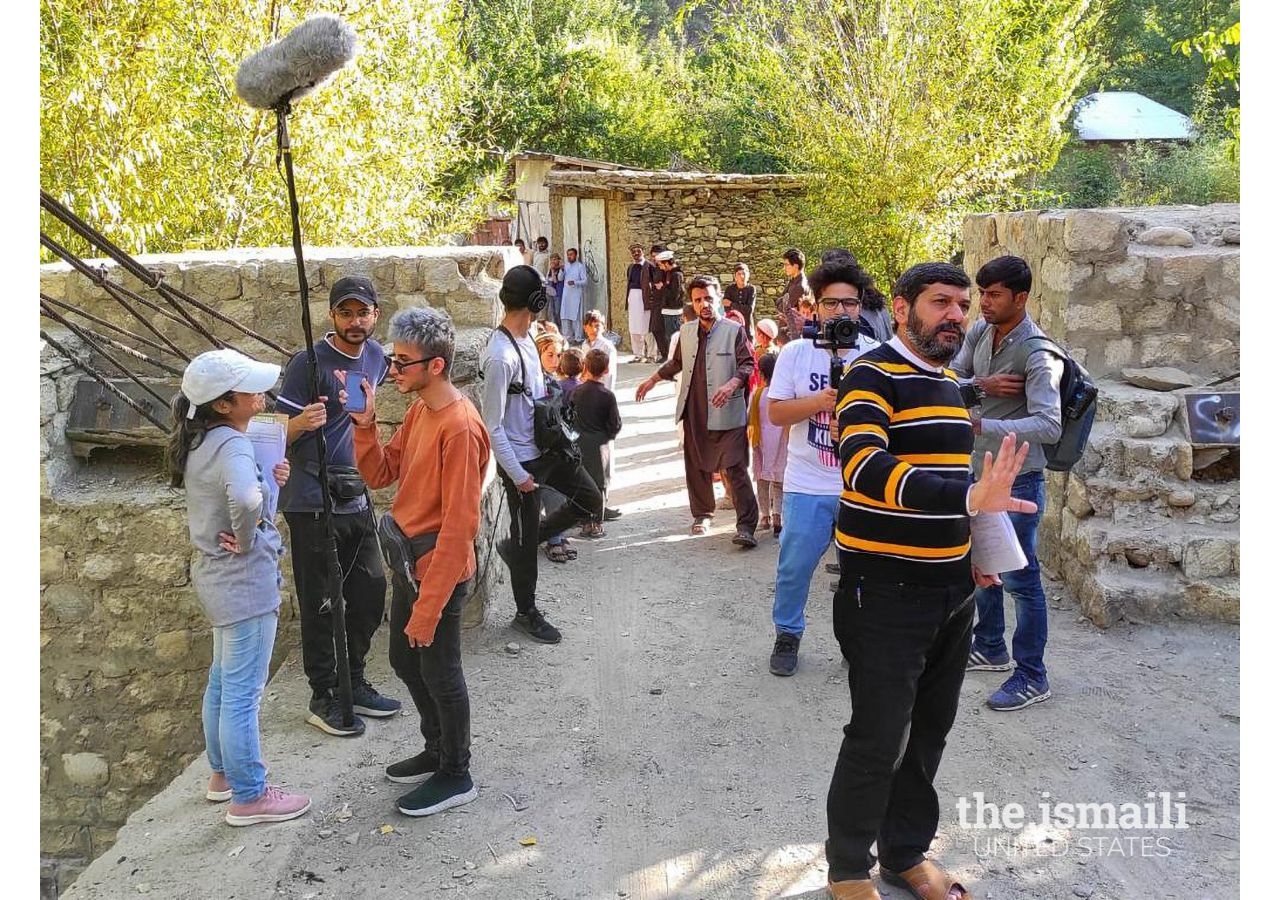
<point x="556" y="552"/>
<point x="927" y="881"/>
<point x="700" y="526"/>
<point x="852" y="890"/>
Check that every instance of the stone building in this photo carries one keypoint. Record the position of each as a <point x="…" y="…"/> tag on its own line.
<point x="1146" y="525"/>
<point x="124" y="644"/>
<point x="711" y="222"/>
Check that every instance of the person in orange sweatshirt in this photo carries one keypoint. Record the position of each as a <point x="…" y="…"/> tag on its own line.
<point x="439" y="455"/>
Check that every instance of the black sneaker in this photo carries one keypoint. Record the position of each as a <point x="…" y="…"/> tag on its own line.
<point x="535" y="624"/>
<point x="610" y="513"/>
<point x="438" y="793"/>
<point x="786" y="654"/>
<point x="745" y="538"/>
<point x="368" y="702"/>
<point x="415" y="769"/>
<point x="326" y="714"/>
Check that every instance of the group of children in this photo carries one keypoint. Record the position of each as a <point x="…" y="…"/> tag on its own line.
<point x="585" y="377"/>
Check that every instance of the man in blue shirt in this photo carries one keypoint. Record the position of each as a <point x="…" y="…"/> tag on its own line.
<point x="353" y="307"/>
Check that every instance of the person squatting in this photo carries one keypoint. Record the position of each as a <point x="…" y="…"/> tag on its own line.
<point x="880" y="464"/>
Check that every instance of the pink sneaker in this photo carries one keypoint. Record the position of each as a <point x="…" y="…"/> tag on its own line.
<point x="273" y="806"/>
<point x="219" y="789"/>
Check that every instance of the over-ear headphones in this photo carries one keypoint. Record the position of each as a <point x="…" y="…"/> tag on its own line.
<point x="522" y="288"/>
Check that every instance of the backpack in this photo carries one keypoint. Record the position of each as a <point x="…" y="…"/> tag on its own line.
<point x="1079" y="404"/>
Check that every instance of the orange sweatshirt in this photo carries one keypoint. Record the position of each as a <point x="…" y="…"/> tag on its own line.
<point x="440" y="458"/>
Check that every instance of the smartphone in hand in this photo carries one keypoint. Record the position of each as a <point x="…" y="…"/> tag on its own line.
<point x="355" y="392"/>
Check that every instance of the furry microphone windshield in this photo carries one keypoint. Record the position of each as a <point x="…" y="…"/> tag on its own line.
<point x="297" y="64"/>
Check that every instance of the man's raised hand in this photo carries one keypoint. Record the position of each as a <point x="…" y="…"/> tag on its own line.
<point x="991" y="493"/>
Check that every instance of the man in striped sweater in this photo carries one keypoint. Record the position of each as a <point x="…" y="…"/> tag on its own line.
<point x="903" y="613"/>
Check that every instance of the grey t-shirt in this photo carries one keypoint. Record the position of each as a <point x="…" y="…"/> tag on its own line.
<point x="509" y="417"/>
<point x="226" y="491"/>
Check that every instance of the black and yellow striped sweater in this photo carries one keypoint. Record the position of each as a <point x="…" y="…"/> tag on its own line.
<point x="905" y="440"/>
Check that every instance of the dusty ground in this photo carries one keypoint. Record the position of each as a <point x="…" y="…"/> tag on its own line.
<point x="652" y="755"/>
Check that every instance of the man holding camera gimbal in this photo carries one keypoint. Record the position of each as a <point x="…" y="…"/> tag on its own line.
<point x="803" y="396"/>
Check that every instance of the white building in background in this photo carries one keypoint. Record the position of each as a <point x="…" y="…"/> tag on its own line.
<point x="1108" y="116"/>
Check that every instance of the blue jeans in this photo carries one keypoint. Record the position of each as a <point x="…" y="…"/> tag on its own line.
<point x="1032" y="629"/>
<point x="808" y="523"/>
<point x="241" y="657"/>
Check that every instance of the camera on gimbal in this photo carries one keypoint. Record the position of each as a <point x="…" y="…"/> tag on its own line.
<point x="836" y="333"/>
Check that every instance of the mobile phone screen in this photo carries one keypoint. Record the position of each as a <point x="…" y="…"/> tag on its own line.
<point x="355" y="393"/>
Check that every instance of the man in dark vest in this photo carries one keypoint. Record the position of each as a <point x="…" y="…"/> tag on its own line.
<point x="715" y="356"/>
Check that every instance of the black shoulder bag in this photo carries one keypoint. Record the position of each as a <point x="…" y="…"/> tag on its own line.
<point x="553" y="421"/>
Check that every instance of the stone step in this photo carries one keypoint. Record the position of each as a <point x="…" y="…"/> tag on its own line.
<point x="1197" y="551"/>
<point x="1132" y="457"/>
<point x="1113" y="594"/>
<point x="1152" y="494"/>
<point x="1135" y="411"/>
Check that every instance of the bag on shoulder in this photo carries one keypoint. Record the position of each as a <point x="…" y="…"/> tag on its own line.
<point x="553" y="420"/>
<point x="1079" y="404"/>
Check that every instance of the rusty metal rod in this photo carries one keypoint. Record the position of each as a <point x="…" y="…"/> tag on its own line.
<point x="98" y="348"/>
<point x="48" y="312"/>
<point x="67" y="307"/>
<point x="151" y="278"/>
<point x="137" y="407"/>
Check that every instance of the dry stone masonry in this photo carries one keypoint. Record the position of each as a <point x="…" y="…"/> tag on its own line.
<point x="1146" y="526"/>
<point x="124" y="645"/>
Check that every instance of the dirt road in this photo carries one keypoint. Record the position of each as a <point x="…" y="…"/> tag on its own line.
<point x="652" y="755"/>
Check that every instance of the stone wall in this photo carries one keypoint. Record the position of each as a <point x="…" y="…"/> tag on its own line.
<point x="712" y="222"/>
<point x="124" y="643"/>
<point x="1146" y="526"/>
<point x="1149" y="286"/>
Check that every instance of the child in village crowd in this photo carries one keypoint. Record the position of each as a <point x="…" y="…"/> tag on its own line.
<point x="598" y="422"/>
<point x="236" y="569"/>
<point x="768" y="449"/>
<point x="569" y="372"/>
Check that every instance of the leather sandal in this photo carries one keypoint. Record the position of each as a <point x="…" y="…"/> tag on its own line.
<point x="700" y="526"/>
<point x="853" y="890"/>
<point x="927" y="881"/>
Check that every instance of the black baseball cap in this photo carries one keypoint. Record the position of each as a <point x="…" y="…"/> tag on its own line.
<point x="353" y="287"/>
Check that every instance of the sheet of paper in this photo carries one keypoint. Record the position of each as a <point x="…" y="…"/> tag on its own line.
<point x="995" y="544"/>
<point x="267" y="434"/>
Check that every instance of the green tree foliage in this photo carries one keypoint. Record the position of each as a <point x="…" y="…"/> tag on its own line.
<point x="911" y="114"/>
<point x="141" y="130"/>
<point x="1133" y="49"/>
<point x="593" y="78"/>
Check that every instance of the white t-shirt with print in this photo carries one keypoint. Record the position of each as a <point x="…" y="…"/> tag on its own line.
<point x="813" y="462"/>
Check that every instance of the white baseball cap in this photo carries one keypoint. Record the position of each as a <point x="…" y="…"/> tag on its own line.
<point x="212" y="374"/>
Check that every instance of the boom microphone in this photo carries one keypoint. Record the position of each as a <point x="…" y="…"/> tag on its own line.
<point x="297" y="64"/>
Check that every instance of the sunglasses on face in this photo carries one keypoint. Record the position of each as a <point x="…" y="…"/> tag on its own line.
<point x="395" y="362"/>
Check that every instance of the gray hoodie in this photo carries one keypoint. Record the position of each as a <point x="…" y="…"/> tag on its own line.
<point x="225" y="492"/>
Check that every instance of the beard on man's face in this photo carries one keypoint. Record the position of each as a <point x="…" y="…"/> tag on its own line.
<point x="930" y="343"/>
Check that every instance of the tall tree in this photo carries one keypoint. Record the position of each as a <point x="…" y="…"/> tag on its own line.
<point x="911" y="113"/>
<point x="141" y="129"/>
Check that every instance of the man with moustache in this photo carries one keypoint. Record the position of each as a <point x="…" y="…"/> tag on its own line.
<point x="353" y="308"/>
<point x="712" y="407"/>
<point x="903" y="613"/>
<point x="643" y="344"/>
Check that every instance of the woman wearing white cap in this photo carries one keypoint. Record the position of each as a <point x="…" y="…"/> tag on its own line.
<point x="236" y="569"/>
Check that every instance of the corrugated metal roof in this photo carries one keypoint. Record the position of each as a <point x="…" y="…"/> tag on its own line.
<point x="1129" y="116"/>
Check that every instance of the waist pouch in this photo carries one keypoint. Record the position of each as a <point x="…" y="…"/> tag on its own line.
<point x="400" y="552"/>
<point x="345" y="483"/>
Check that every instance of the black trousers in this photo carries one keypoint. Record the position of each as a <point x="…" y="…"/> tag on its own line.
<point x="364" y="589"/>
<point x="529" y="529"/>
<point x="434" y="677"/>
<point x="907" y="645"/>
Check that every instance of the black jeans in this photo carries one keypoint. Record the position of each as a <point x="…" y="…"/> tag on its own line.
<point x="434" y="677"/>
<point x="364" y="587"/>
<point x="907" y="645"/>
<point x="529" y="529"/>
